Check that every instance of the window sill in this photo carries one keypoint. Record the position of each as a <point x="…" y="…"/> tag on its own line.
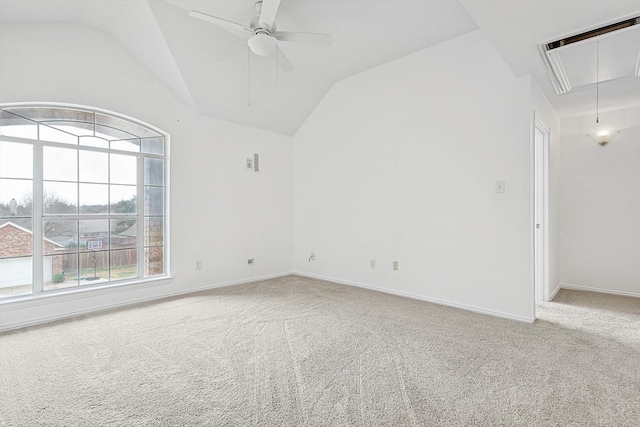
<point x="62" y="295"/>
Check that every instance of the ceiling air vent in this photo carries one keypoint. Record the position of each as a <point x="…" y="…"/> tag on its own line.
<point x="570" y="61"/>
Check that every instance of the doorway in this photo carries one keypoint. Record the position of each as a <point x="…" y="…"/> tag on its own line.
<point x="541" y="191"/>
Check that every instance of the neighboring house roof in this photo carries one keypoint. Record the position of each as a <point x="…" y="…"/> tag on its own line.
<point x="130" y="232"/>
<point x="99" y="226"/>
<point x="63" y="241"/>
<point x="26" y="230"/>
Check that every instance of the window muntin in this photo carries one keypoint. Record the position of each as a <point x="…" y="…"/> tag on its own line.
<point x="99" y="182"/>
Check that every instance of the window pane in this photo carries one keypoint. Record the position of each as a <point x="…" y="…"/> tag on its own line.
<point x="132" y="129"/>
<point x="53" y="113"/>
<point x="60" y="164"/>
<point x="16" y="160"/>
<point x="123" y="233"/>
<point x="153" y="231"/>
<point x="123" y="264"/>
<point x="153" y="145"/>
<point x="126" y="145"/>
<point x="60" y="198"/>
<point x="123" y="199"/>
<point x="48" y="133"/>
<point x="94" y="267"/>
<point x="15" y="276"/>
<point x="153" y="200"/>
<point x="76" y="128"/>
<point x="60" y="236"/>
<point x="94" y="235"/>
<point x="60" y="271"/>
<point x="15" y="197"/>
<point x="16" y="248"/>
<point x="94" y="199"/>
<point x="153" y="261"/>
<point x="11" y="125"/>
<point x="112" y="134"/>
<point x="153" y="171"/>
<point x="16" y="238"/>
<point x="123" y="169"/>
<point x="94" y="167"/>
<point x="92" y="141"/>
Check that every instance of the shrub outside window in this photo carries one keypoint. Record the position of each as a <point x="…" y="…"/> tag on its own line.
<point x="82" y="199"/>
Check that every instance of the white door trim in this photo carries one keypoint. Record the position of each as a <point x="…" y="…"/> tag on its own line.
<point x="541" y="210"/>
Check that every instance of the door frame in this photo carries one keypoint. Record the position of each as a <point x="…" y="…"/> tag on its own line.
<point x="541" y="140"/>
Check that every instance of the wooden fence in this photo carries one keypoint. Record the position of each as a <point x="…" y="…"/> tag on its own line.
<point x="120" y="258"/>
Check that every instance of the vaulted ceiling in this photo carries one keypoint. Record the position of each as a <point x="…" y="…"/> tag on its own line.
<point x="186" y="54"/>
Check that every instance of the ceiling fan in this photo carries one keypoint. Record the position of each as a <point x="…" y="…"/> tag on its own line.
<point x="262" y="35"/>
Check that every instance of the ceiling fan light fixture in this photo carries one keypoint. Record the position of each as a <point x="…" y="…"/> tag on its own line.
<point x="602" y="135"/>
<point x="262" y="44"/>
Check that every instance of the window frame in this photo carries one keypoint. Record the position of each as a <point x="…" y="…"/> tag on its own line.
<point x="38" y="217"/>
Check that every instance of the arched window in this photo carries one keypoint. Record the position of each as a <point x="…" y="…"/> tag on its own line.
<point x="83" y="199"/>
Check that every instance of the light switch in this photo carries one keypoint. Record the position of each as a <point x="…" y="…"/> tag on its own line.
<point x="499" y="186"/>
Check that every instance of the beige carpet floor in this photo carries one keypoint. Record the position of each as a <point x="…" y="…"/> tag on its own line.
<point x="300" y="352"/>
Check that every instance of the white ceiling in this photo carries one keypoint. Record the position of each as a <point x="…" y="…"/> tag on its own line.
<point x="183" y="52"/>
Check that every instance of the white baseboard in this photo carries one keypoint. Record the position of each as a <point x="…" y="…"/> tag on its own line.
<point x="554" y="293"/>
<point x="602" y="291"/>
<point x="421" y="298"/>
<point x="103" y="308"/>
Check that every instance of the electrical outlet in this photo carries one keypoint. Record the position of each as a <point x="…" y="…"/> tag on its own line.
<point x="312" y="257"/>
<point x="199" y="264"/>
<point x="372" y="264"/>
<point x="395" y="265"/>
<point x="251" y="261"/>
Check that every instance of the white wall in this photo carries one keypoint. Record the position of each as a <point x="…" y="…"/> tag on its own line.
<point x="220" y="213"/>
<point x="543" y="109"/>
<point x="399" y="163"/>
<point x="600" y="205"/>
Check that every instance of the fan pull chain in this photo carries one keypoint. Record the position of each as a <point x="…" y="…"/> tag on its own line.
<point x="249" y="77"/>
<point x="277" y="65"/>
<point x="598" y="82"/>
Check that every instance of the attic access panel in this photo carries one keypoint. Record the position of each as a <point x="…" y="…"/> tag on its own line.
<point x="571" y="61"/>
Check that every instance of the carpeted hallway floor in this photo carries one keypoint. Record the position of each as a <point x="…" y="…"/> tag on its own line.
<point x="301" y="352"/>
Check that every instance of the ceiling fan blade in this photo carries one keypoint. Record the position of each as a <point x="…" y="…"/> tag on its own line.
<point x="315" y="38"/>
<point x="219" y="21"/>
<point x="283" y="62"/>
<point x="268" y="12"/>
